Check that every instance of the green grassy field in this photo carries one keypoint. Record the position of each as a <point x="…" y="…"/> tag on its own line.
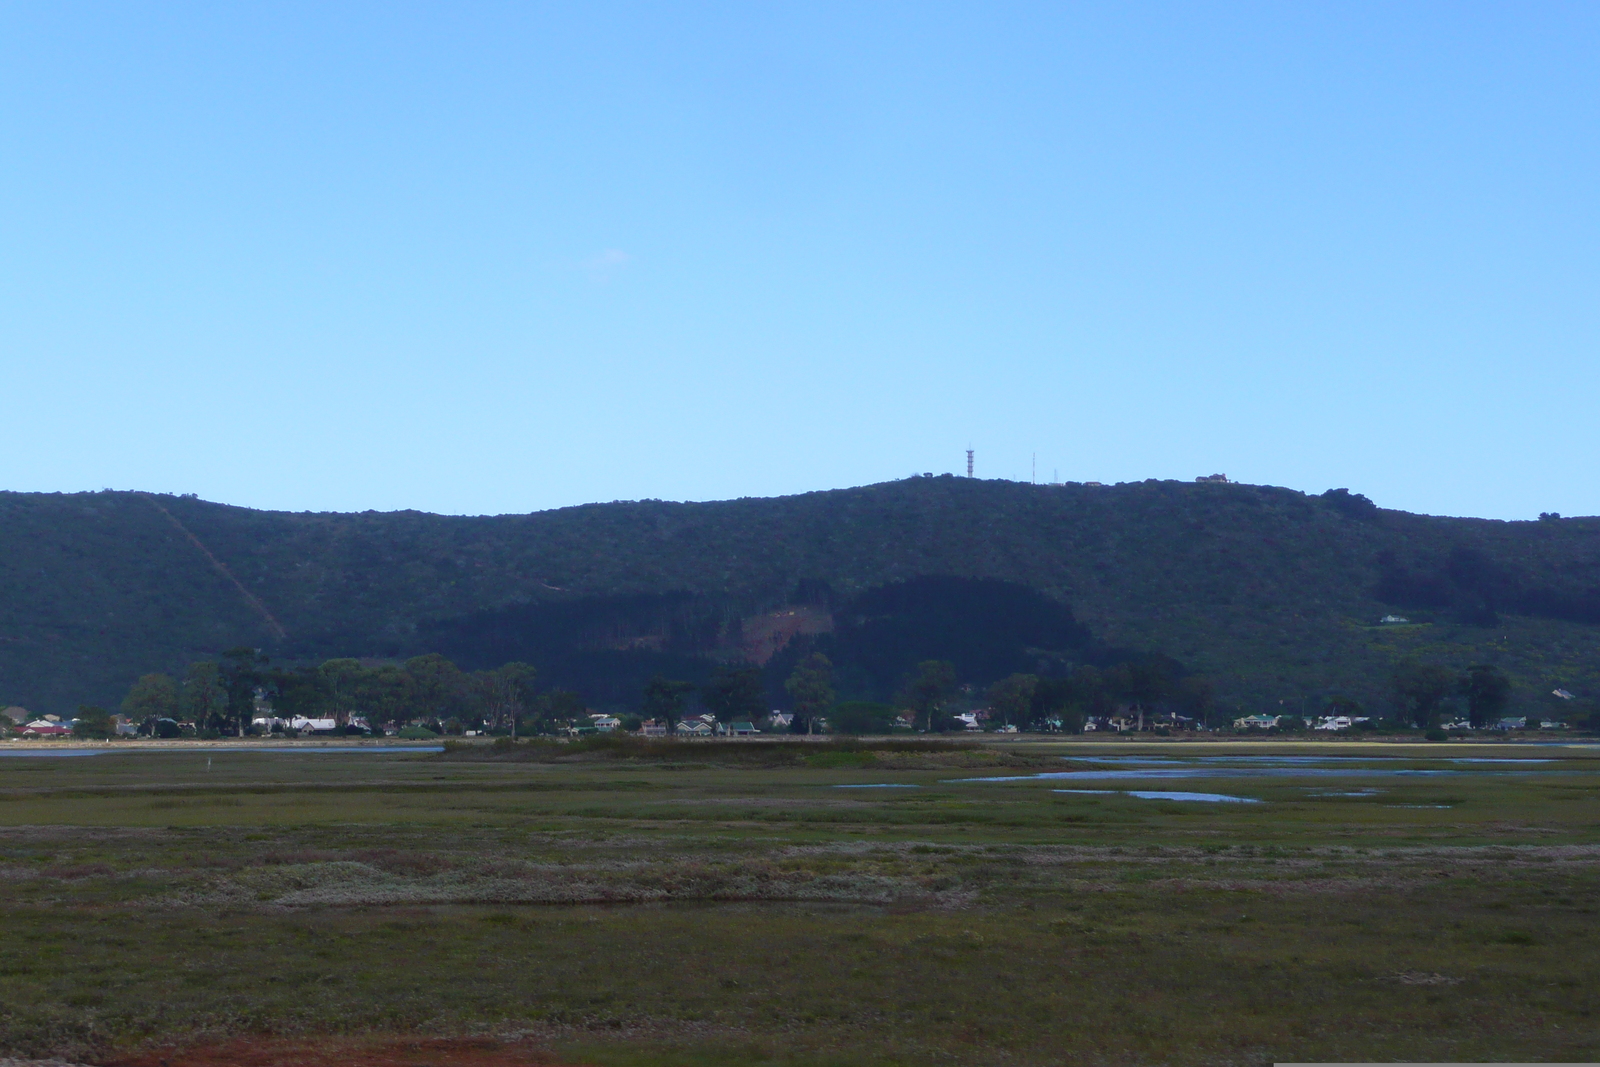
<point x="617" y="911"/>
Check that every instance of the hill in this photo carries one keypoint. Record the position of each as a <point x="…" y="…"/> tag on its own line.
<point x="1272" y="593"/>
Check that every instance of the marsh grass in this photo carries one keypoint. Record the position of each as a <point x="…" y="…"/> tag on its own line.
<point x="797" y="751"/>
<point x="619" y="912"/>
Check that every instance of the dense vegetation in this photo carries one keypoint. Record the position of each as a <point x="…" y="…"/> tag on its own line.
<point x="1272" y="594"/>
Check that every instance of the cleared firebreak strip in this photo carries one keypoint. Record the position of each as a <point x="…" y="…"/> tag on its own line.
<point x="222" y="569"/>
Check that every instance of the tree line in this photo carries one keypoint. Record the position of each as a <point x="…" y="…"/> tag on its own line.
<point x="1151" y="685"/>
<point x="220" y="696"/>
<point x="1422" y="692"/>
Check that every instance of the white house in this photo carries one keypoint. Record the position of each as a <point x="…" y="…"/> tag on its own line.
<point x="1255" y="722"/>
<point x="300" y="722"/>
<point x="694" y="728"/>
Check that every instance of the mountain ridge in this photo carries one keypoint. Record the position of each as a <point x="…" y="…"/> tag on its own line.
<point x="1273" y="593"/>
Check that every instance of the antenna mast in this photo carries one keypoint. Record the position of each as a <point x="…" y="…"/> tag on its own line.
<point x="969" y="463"/>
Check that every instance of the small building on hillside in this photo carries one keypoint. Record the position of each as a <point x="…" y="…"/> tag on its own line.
<point x="17" y="714"/>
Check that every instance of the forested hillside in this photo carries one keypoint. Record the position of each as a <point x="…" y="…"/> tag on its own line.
<point x="1274" y="594"/>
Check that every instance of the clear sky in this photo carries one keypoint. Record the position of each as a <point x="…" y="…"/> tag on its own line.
<point x="480" y="258"/>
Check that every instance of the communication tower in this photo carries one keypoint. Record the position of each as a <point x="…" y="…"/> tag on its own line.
<point x="969" y="463"/>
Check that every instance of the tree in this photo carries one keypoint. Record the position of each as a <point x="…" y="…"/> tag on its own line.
<point x="1487" y="690"/>
<point x="153" y="696"/>
<point x="735" y="694"/>
<point x="927" y="690"/>
<point x="664" y="700"/>
<point x="95" y="722"/>
<point x="1355" y="505"/>
<point x="301" y="691"/>
<point x="811" y="689"/>
<point x="1343" y="705"/>
<point x="384" y="693"/>
<point x="203" y="699"/>
<point x="1143" y="683"/>
<point x="242" y="672"/>
<point x="1071" y="700"/>
<point x="1420" y="689"/>
<point x="506" y="693"/>
<point x="1012" y="697"/>
<point x="861" y="717"/>
<point x="341" y="679"/>
<point x="436" y="685"/>
<point x="564" y="706"/>
<point x="1195" y="697"/>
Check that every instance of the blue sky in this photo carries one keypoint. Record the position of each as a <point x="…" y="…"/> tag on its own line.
<point x="480" y="258"/>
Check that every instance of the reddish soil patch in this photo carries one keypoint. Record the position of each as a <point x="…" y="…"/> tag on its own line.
<point x="346" y="1052"/>
<point x="765" y="635"/>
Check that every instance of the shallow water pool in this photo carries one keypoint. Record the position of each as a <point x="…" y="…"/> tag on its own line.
<point x="1165" y="794"/>
<point x="878" y="785"/>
